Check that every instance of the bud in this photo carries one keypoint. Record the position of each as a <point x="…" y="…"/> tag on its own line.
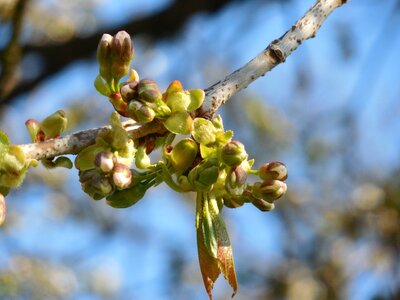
<point x="3" y="209"/>
<point x="273" y="170"/>
<point x="178" y="101"/>
<point x="235" y="181"/>
<point x="183" y="155"/>
<point x="33" y="127"/>
<point x="184" y="183"/>
<point x="233" y="202"/>
<point x="204" y="131"/>
<point x="263" y="205"/>
<point x="54" y="125"/>
<point x="122" y="176"/>
<point x="102" y="186"/>
<point x="145" y="114"/>
<point x="233" y="153"/>
<point x="204" y="175"/>
<point x="121" y="54"/>
<point x="105" y="161"/>
<point x="104" y="56"/>
<point x="148" y="91"/>
<point x="129" y="90"/>
<point x="269" y="190"/>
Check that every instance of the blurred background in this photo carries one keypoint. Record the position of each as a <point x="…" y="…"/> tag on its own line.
<point x="330" y="112"/>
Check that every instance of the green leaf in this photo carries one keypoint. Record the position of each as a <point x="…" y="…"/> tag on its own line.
<point x="4" y="140"/>
<point x="203" y="131"/>
<point x="85" y="159"/>
<point x="179" y="123"/>
<point x="126" y="198"/>
<point x="101" y="86"/>
<point x="119" y="136"/>
<point x="196" y="99"/>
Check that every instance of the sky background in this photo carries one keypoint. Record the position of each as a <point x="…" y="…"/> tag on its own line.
<point x="351" y="69"/>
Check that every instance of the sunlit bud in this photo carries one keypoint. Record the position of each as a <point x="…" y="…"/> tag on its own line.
<point x="102" y="186"/>
<point x="269" y="190"/>
<point x="105" y="161"/>
<point x="204" y="175"/>
<point x="33" y="127"/>
<point x="184" y="183"/>
<point x="54" y="125"/>
<point x="273" y="170"/>
<point x="142" y="160"/>
<point x="129" y="90"/>
<point x="121" y="54"/>
<point x="122" y="176"/>
<point x="145" y="114"/>
<point x="183" y="155"/>
<point x="204" y="131"/>
<point x="3" y="209"/>
<point x="178" y="101"/>
<point x="163" y="111"/>
<point x="148" y="91"/>
<point x="235" y="180"/>
<point x="133" y="107"/>
<point x="233" y="153"/>
<point x="263" y="205"/>
<point x="14" y="160"/>
<point x="233" y="202"/>
<point x="104" y="56"/>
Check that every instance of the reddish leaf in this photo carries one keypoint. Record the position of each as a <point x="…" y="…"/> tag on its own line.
<point x="210" y="227"/>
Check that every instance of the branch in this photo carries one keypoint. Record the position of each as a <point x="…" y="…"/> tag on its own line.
<point x="216" y="95"/>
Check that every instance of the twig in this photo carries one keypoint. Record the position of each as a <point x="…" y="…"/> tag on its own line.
<point x="216" y="95"/>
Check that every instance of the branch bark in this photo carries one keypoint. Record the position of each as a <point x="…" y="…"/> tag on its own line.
<point x="216" y="95"/>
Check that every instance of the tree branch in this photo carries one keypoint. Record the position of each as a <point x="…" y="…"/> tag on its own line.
<point x="216" y="95"/>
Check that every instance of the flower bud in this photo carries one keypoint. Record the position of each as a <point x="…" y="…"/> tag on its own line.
<point x="129" y="90"/>
<point x="102" y="186"/>
<point x="3" y="209"/>
<point x="273" y="170"/>
<point x="122" y="176"/>
<point x="54" y="125"/>
<point x="269" y="190"/>
<point x="148" y="91"/>
<point x="145" y="114"/>
<point x="87" y="175"/>
<point x="263" y="205"/>
<point x="183" y="155"/>
<point x="33" y="127"/>
<point x="184" y="183"/>
<point x="233" y="153"/>
<point x="121" y="54"/>
<point x="235" y="181"/>
<point x="204" y="175"/>
<point x="233" y="202"/>
<point x="105" y="161"/>
<point x="104" y="56"/>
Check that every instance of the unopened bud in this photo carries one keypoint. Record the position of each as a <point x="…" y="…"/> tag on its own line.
<point x="183" y="154"/>
<point x="273" y="170"/>
<point x="129" y="90"/>
<point x="105" y="161"/>
<point x="269" y="190"/>
<point x="148" y="91"/>
<point x="204" y="175"/>
<point x="184" y="183"/>
<point x="54" y="125"/>
<point x="122" y="176"/>
<point x="263" y="205"/>
<point x="233" y="202"/>
<point x="145" y="114"/>
<point x="104" y="56"/>
<point x="235" y="181"/>
<point x="33" y="127"/>
<point x="233" y="153"/>
<point x="102" y="186"/>
<point x="121" y="54"/>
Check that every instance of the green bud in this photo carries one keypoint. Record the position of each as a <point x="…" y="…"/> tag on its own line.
<point x="122" y="176"/>
<point x="273" y="170"/>
<point x="129" y="90"/>
<point x="3" y="209"/>
<point x="204" y="175"/>
<point x="121" y="54"/>
<point x="179" y="123"/>
<point x="102" y="186"/>
<point x="178" y="101"/>
<point x="54" y="125"/>
<point x="235" y="181"/>
<point x="104" y="56"/>
<point x="233" y="153"/>
<point x="233" y="202"/>
<point x="142" y="160"/>
<point x="127" y="197"/>
<point x="183" y="155"/>
<point x="33" y="127"/>
<point x="184" y="183"/>
<point x="145" y="114"/>
<point x="148" y="91"/>
<point x="269" y="190"/>
<point x="105" y="161"/>
<point x="87" y="175"/>
<point x="162" y="111"/>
